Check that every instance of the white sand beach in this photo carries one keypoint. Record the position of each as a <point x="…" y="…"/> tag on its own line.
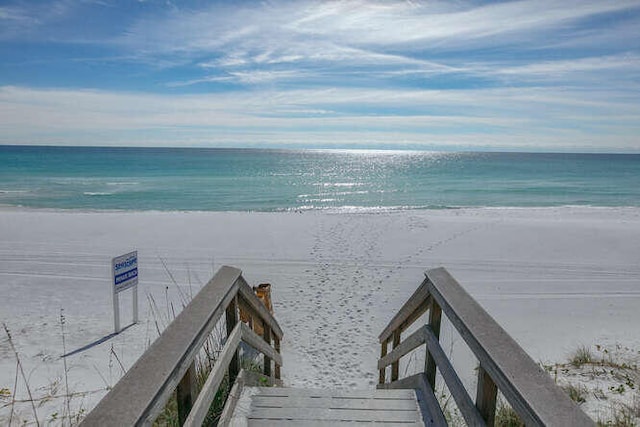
<point x="554" y="278"/>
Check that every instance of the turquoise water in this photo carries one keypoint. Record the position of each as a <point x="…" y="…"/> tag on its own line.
<point x="280" y="180"/>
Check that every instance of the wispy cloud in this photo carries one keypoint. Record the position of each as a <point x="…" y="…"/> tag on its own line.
<point x="420" y="116"/>
<point x="281" y="41"/>
<point x="362" y="23"/>
<point x="529" y="72"/>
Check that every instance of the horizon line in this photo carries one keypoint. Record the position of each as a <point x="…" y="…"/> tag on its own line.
<point x="346" y="147"/>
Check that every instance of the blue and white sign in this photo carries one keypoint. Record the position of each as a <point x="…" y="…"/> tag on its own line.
<point x="125" y="271"/>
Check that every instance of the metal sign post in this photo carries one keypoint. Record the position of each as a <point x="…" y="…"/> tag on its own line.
<point x="125" y="276"/>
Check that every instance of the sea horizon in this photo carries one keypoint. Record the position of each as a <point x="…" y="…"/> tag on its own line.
<point x="417" y="148"/>
<point x="287" y="179"/>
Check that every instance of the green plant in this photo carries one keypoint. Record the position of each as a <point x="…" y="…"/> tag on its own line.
<point x="620" y="389"/>
<point x="576" y="393"/>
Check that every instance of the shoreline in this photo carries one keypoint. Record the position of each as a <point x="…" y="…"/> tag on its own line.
<point x="330" y="210"/>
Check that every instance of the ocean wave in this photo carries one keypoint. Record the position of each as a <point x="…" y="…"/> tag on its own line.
<point x="97" y="193"/>
<point x="75" y="181"/>
<point x="338" y="193"/>
<point x="321" y="200"/>
<point x="122" y="183"/>
<point x="365" y="209"/>
<point x="14" y="191"/>
<point x="347" y="193"/>
<point x="338" y="184"/>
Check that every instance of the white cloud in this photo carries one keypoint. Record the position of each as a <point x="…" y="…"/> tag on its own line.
<point x="275" y="26"/>
<point x="561" y="68"/>
<point x="511" y="72"/>
<point x="275" y="41"/>
<point x="507" y="117"/>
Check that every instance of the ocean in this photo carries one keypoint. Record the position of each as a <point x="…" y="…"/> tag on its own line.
<point x="218" y="179"/>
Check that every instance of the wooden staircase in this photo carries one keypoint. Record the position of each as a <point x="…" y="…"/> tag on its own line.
<point x="284" y="406"/>
<point x="168" y="369"/>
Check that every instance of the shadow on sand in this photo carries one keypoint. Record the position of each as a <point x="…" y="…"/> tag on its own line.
<point x="97" y="342"/>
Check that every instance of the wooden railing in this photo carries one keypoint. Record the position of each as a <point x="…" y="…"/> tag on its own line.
<point x="504" y="365"/>
<point x="169" y="364"/>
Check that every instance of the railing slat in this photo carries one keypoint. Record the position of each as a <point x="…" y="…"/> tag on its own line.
<point x="412" y="342"/>
<point x="529" y="390"/>
<point x="209" y="389"/>
<point x="455" y="386"/>
<point x="411" y="310"/>
<point x="241" y="332"/>
<point x="257" y="342"/>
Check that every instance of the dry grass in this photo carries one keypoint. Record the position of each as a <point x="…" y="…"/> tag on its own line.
<point x="577" y="393"/>
<point x="581" y="356"/>
<point x="506" y="416"/>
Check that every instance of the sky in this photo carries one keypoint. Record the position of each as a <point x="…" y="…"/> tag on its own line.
<point x="522" y="75"/>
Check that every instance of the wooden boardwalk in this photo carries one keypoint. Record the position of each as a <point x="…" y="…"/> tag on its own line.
<point x="282" y="406"/>
<point x="168" y="368"/>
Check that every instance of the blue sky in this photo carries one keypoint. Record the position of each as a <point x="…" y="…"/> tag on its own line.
<point x="520" y="75"/>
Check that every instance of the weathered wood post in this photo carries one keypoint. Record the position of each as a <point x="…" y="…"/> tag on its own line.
<point x="186" y="393"/>
<point x="232" y="319"/>
<point x="383" y="370"/>
<point x="395" y="366"/>
<point x="486" y="394"/>
<point x="435" y="316"/>
<point x="267" y="337"/>
<point x="276" y="346"/>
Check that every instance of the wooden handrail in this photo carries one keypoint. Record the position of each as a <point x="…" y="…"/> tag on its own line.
<point x="410" y="343"/>
<point x="241" y="332"/>
<point x="504" y="365"/>
<point x="415" y="306"/>
<point x="143" y="391"/>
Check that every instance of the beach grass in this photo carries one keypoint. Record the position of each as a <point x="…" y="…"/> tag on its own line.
<point x="581" y="356"/>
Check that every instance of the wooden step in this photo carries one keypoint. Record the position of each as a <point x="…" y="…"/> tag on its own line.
<point x="264" y="406"/>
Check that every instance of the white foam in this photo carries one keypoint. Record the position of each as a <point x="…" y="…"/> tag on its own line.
<point x="97" y="193"/>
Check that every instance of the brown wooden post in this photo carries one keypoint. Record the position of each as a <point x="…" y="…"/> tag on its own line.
<point x="395" y="366"/>
<point x="486" y="397"/>
<point x="232" y="320"/>
<point x="276" y="345"/>
<point x="186" y="393"/>
<point x="267" y="337"/>
<point x="383" y="371"/>
<point x="435" y="316"/>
